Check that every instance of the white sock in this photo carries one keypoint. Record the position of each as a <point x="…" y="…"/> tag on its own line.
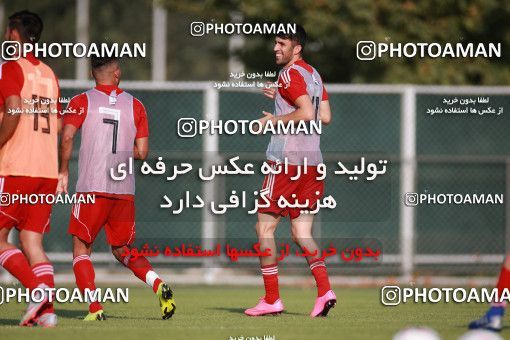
<point x="150" y="277"/>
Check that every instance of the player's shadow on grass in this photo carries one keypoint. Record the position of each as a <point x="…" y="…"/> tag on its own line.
<point x="71" y="313"/>
<point x="466" y="328"/>
<point x="111" y="316"/>
<point x="241" y="311"/>
<point x="80" y="314"/>
<point x="9" y="322"/>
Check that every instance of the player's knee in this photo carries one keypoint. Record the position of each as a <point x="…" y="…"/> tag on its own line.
<point x="265" y="229"/>
<point x="298" y="240"/>
<point x="293" y="235"/>
<point x="33" y="251"/>
<point x="80" y="247"/>
<point x="116" y="252"/>
<point x="119" y="251"/>
<point x="31" y="246"/>
<point x="294" y="238"/>
<point x="4" y="235"/>
<point x="299" y="235"/>
<point x="4" y="243"/>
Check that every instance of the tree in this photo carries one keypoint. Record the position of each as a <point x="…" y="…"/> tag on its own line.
<point x="335" y="27"/>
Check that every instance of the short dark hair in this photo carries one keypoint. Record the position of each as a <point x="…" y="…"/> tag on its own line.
<point x="98" y="62"/>
<point x="299" y="37"/>
<point x="29" y="25"/>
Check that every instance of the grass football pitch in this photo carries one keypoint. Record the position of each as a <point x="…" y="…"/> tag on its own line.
<point x="217" y="313"/>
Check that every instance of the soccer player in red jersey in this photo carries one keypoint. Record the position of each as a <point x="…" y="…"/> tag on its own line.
<point x="28" y="163"/>
<point x="114" y="128"/>
<point x="301" y="96"/>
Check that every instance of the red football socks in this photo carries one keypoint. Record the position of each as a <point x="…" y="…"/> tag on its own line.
<point x="85" y="276"/>
<point x="44" y="272"/>
<point x="142" y="269"/>
<point x="270" y="276"/>
<point x="503" y="282"/>
<point x="17" y="265"/>
<point x="318" y="268"/>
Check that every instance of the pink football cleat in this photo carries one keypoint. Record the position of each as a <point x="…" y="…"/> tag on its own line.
<point x="34" y="307"/>
<point x="47" y="320"/>
<point x="323" y="304"/>
<point x="263" y="308"/>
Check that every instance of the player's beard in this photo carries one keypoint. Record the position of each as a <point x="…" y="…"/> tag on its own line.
<point x="284" y="60"/>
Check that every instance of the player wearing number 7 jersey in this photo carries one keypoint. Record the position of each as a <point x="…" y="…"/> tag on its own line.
<point x="28" y="161"/>
<point x="301" y="96"/>
<point x="113" y="128"/>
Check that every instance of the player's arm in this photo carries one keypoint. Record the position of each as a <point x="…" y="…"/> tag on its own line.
<point x="10" y="120"/>
<point x="11" y="83"/>
<point x="141" y="149"/>
<point x="269" y="90"/>
<point x="325" y="111"/>
<point x="66" y="150"/>
<point x="71" y="122"/>
<point x="292" y="88"/>
<point x="324" y="108"/>
<point x="304" y="111"/>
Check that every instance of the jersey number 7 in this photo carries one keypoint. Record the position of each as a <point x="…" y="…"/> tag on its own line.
<point x="115" y="124"/>
<point x="115" y="114"/>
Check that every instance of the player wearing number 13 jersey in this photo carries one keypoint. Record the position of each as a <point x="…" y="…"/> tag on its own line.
<point x="301" y="96"/>
<point x="28" y="161"/>
<point x="113" y="128"/>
